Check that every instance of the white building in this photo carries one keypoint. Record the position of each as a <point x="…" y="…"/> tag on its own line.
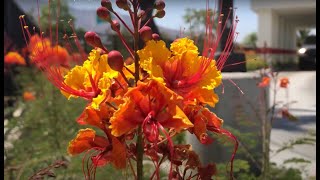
<point x="278" y="21"/>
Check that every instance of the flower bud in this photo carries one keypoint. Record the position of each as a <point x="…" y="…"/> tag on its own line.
<point x="107" y="4"/>
<point x="115" y="25"/>
<point x="159" y="5"/>
<point x="104" y="13"/>
<point x="123" y="4"/>
<point x="145" y="33"/>
<point x="115" y="60"/>
<point x="160" y="14"/>
<point x="155" y="37"/>
<point x="94" y="40"/>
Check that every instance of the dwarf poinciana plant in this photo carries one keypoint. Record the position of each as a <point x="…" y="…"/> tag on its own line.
<point x="139" y="106"/>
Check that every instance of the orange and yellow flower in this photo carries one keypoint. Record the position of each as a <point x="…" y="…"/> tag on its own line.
<point x="181" y="69"/>
<point x="203" y="119"/>
<point x="42" y="53"/>
<point x="151" y="105"/>
<point x="14" y="58"/>
<point x="114" y="153"/>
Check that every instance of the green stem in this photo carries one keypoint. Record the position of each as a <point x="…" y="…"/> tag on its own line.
<point x="137" y="69"/>
<point x="139" y="155"/>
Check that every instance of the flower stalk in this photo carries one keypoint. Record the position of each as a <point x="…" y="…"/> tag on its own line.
<point x="136" y="76"/>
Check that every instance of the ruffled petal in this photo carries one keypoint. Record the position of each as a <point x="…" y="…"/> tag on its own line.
<point x="125" y="119"/>
<point x="85" y="140"/>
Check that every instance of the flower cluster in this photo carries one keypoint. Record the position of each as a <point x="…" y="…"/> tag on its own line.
<point x="140" y="105"/>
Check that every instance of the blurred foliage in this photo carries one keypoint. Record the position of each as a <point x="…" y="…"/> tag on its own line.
<point x="255" y="62"/>
<point x="196" y="18"/>
<point x="250" y="40"/>
<point x="286" y="65"/>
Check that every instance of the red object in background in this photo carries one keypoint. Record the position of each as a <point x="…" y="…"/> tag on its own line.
<point x="28" y="96"/>
<point x="264" y="82"/>
<point x="14" y="58"/>
<point x="284" y="82"/>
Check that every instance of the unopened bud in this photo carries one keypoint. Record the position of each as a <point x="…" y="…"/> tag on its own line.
<point x="159" y="5"/>
<point x="123" y="4"/>
<point x="160" y="14"/>
<point x="107" y="4"/>
<point x="94" y="40"/>
<point x="145" y="33"/>
<point x="115" y="25"/>
<point x="155" y="37"/>
<point x="115" y="60"/>
<point x="104" y="13"/>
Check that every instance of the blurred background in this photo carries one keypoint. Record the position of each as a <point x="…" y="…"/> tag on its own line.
<point x="39" y="121"/>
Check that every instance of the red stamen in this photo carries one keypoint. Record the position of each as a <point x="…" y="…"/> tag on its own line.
<point x="170" y="144"/>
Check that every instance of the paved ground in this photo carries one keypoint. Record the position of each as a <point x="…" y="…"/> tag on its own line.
<point x="303" y="90"/>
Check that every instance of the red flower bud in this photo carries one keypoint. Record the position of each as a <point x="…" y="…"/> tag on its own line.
<point x="155" y="37"/>
<point x="94" y="40"/>
<point x="104" y="13"/>
<point x="107" y="4"/>
<point x="115" y="25"/>
<point x="160" y="13"/>
<point x="145" y="33"/>
<point x="115" y="60"/>
<point x="159" y="5"/>
<point x="123" y="4"/>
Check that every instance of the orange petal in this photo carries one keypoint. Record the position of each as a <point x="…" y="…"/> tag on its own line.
<point x="116" y="156"/>
<point x="178" y="121"/>
<point x="212" y="118"/>
<point x="125" y="119"/>
<point x="119" y="155"/>
<point x="95" y="117"/>
<point x="85" y="140"/>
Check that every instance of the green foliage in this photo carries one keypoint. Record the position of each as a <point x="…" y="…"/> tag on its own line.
<point x="255" y="62"/>
<point x="282" y="173"/>
<point x="296" y="160"/>
<point x="196" y="19"/>
<point x="250" y="40"/>
<point x="299" y="141"/>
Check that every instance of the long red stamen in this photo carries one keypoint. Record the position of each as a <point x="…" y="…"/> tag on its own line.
<point x="24" y="35"/>
<point x="76" y="39"/>
<point x="170" y="144"/>
<point x="233" y="138"/>
<point x="57" y="24"/>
